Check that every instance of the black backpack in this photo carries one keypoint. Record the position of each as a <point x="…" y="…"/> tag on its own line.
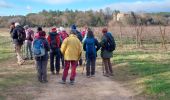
<point x="21" y="34"/>
<point x="111" y="45"/>
<point x="79" y="36"/>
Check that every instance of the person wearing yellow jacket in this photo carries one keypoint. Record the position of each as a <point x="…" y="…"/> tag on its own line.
<point x="71" y="48"/>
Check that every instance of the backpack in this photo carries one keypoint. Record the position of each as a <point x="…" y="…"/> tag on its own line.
<point x="79" y="35"/>
<point x="55" y="41"/>
<point x="63" y="35"/>
<point x="38" y="48"/>
<point x="21" y="34"/>
<point x="30" y="32"/>
<point x="111" y="45"/>
<point x="90" y="48"/>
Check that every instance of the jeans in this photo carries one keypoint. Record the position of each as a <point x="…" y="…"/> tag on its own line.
<point x="107" y="65"/>
<point x="55" y="55"/>
<point x="90" y="66"/>
<point x="41" y="66"/>
<point x="28" y="49"/>
<point x="73" y="70"/>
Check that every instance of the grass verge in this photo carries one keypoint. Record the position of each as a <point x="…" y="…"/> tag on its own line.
<point x="148" y="71"/>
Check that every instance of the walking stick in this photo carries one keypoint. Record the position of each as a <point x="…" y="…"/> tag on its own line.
<point x="103" y="66"/>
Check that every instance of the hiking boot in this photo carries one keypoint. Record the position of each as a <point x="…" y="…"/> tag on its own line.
<point x="53" y="73"/>
<point x="57" y="73"/>
<point x="106" y="74"/>
<point x="92" y="75"/>
<point x="72" y="82"/>
<point x="26" y="58"/>
<point x="62" y="82"/>
<point x="31" y="58"/>
<point x="111" y="74"/>
<point x="45" y="81"/>
<point x="21" y="62"/>
<point x="41" y="81"/>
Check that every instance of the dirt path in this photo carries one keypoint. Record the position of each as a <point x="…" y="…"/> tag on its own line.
<point x="96" y="88"/>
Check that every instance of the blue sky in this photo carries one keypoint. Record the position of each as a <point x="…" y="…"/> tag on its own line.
<point x="23" y="7"/>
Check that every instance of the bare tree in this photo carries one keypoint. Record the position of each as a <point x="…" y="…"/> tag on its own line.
<point x="163" y="35"/>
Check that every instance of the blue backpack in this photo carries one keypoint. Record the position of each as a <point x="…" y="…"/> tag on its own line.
<point x="90" y="48"/>
<point x="38" y="48"/>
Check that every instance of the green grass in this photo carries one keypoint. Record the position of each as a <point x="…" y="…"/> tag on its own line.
<point x="13" y="77"/>
<point x="147" y="69"/>
<point x="6" y="48"/>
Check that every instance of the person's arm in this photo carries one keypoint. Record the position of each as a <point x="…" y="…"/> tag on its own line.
<point x="64" y="46"/>
<point x="80" y="50"/>
<point x="47" y="46"/>
<point x="103" y="41"/>
<point x="14" y="33"/>
<point x="84" y="46"/>
<point x="97" y="44"/>
<point x="48" y="39"/>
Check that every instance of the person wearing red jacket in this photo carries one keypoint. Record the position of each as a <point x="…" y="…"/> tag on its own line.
<point x="63" y="35"/>
<point x="54" y="41"/>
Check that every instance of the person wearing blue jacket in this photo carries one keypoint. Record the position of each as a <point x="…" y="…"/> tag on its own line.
<point x="91" y="46"/>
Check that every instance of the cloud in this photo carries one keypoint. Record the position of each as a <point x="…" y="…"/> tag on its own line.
<point x="3" y="4"/>
<point x="58" y="1"/>
<point x="148" y="6"/>
<point x="28" y="7"/>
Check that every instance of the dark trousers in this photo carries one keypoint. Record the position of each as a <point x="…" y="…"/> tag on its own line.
<point x="55" y="55"/>
<point x="41" y="69"/>
<point x="107" y="65"/>
<point x="28" y="49"/>
<point x="90" y="66"/>
<point x="62" y="60"/>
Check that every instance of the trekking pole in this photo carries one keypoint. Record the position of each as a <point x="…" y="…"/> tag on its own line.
<point x="84" y="66"/>
<point x="103" y="66"/>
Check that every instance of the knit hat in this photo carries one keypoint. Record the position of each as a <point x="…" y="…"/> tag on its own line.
<point x="39" y="29"/>
<point x="73" y="31"/>
<point x="53" y="29"/>
<point x="62" y="29"/>
<point x="26" y="27"/>
<point x="73" y="26"/>
<point x="42" y="33"/>
<point x="17" y="24"/>
<point x="104" y="30"/>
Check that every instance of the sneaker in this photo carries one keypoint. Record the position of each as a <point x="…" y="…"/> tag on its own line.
<point x="62" y="82"/>
<point x="106" y="74"/>
<point x="88" y="76"/>
<point x="72" y="82"/>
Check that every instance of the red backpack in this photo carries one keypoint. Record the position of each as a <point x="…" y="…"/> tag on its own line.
<point x="54" y="41"/>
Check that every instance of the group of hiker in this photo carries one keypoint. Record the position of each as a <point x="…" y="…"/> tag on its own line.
<point x="58" y="45"/>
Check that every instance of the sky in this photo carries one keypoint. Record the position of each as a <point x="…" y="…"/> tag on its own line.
<point x="23" y="7"/>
